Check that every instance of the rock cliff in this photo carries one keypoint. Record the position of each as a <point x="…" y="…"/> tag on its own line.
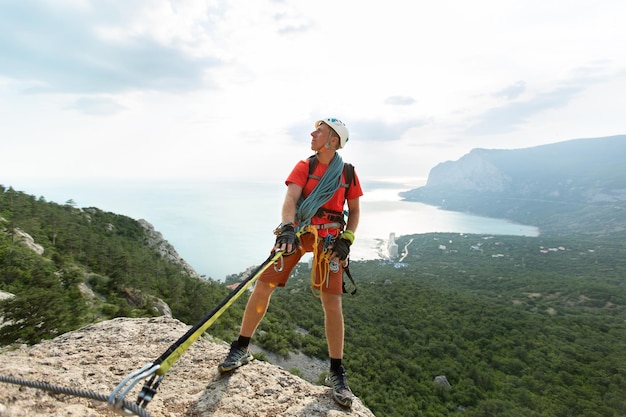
<point x="564" y="187"/>
<point x="473" y="171"/>
<point x="97" y="357"/>
<point x="575" y="171"/>
<point x="155" y="241"/>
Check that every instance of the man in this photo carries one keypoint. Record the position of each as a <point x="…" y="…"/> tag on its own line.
<point x="312" y="221"/>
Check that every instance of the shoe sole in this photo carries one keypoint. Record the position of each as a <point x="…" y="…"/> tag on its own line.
<point x="225" y="369"/>
<point x="344" y="403"/>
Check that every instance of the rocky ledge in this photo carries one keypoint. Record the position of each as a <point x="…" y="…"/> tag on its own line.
<point x="97" y="357"/>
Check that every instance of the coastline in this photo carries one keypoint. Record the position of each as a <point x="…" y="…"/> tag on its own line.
<point x="216" y="230"/>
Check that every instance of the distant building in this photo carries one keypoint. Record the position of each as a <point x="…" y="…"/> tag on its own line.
<point x="392" y="246"/>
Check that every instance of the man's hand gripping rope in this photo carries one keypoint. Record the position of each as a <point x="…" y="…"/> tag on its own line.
<point x="287" y="240"/>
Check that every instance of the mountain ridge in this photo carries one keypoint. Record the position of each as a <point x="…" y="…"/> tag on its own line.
<point x="552" y="186"/>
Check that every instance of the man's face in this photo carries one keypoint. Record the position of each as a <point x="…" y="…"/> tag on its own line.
<point x="320" y="136"/>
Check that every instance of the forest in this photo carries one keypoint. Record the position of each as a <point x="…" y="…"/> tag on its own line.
<point x="518" y="326"/>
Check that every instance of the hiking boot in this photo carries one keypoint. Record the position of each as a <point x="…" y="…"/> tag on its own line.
<point x="236" y="357"/>
<point x="341" y="391"/>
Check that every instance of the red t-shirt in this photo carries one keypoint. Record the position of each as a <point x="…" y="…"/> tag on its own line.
<point x="300" y="176"/>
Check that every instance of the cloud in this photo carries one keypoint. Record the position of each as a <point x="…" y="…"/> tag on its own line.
<point x="513" y="91"/>
<point x="507" y="118"/>
<point x="513" y="114"/>
<point x="400" y="100"/>
<point x="61" y="50"/>
<point x="250" y="77"/>
<point x="97" y="106"/>
<point x="376" y="130"/>
<point x="289" y="23"/>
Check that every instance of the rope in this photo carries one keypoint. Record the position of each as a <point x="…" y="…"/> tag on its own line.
<point x="321" y="261"/>
<point x="325" y="189"/>
<point x="75" y="392"/>
<point x="308" y="207"/>
<point x="317" y="259"/>
<point x="178" y="348"/>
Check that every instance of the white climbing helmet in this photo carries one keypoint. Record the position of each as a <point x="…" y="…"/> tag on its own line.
<point x="338" y="126"/>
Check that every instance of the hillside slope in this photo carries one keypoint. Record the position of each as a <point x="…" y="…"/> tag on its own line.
<point x="576" y="186"/>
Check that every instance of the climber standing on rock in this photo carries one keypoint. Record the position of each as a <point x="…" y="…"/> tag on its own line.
<point x="313" y="220"/>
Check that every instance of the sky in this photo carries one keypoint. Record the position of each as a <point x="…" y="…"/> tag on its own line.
<point x="156" y="89"/>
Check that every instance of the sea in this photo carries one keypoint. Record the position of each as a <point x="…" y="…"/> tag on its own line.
<point x="223" y="227"/>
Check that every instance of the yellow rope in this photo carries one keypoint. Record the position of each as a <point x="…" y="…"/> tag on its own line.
<point x="321" y="259"/>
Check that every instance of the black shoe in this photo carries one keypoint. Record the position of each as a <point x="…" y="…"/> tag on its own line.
<point x="236" y="357"/>
<point x="341" y="391"/>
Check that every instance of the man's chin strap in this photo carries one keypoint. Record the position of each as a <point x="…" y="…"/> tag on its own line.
<point x="327" y="144"/>
<point x="324" y="148"/>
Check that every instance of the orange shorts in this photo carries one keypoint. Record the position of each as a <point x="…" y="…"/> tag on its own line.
<point x="331" y="284"/>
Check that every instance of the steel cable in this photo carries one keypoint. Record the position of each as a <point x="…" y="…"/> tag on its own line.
<point x="74" y="392"/>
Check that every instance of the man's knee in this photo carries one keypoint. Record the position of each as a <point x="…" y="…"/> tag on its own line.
<point x="262" y="288"/>
<point x="331" y="303"/>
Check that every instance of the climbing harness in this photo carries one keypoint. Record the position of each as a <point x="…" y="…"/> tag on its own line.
<point x="346" y="270"/>
<point x="326" y="265"/>
<point x="333" y="179"/>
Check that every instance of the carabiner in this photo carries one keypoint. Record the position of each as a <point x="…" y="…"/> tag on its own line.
<point x="282" y="264"/>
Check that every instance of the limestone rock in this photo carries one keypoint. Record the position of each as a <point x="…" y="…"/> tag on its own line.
<point x="28" y="241"/>
<point x="97" y="357"/>
<point x="155" y="240"/>
<point x="473" y="171"/>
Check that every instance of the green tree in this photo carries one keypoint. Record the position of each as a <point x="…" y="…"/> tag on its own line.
<point x="41" y="311"/>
